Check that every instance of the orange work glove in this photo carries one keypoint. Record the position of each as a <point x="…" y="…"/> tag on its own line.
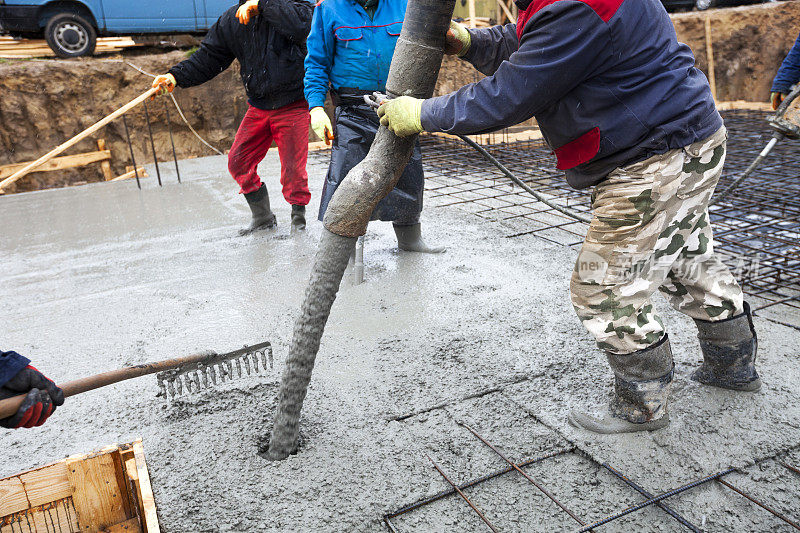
<point x="776" y="99"/>
<point x="165" y="84"/>
<point x="247" y="10"/>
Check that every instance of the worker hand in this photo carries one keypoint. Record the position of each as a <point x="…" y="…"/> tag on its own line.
<point x="247" y="10"/>
<point x="165" y="84"/>
<point x="402" y="115"/>
<point x="321" y="124"/>
<point x="42" y="398"/>
<point x="776" y="99"/>
<point x="457" y="40"/>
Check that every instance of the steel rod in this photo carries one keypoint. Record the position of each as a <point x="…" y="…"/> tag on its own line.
<point x="152" y="143"/>
<point x="790" y="467"/>
<point x="761" y="504"/>
<point x="681" y="520"/>
<point x="518" y="469"/>
<point x="657" y="499"/>
<point x="172" y="140"/>
<point x="460" y="493"/>
<point x="130" y="148"/>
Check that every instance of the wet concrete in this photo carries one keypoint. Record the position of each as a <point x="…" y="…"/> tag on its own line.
<point x="102" y="276"/>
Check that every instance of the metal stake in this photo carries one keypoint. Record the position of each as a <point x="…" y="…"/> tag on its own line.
<point x="358" y="262"/>
<point x="171" y="140"/>
<point x="474" y="508"/>
<point x="152" y="143"/>
<point x="130" y="147"/>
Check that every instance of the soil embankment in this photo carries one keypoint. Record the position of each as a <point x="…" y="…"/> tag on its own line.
<point x="43" y="103"/>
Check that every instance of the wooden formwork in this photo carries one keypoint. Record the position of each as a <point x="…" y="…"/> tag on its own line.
<point x="106" y="491"/>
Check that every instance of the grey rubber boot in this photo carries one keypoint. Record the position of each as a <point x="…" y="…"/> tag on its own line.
<point x="263" y="217"/>
<point x="642" y="381"/>
<point x="299" y="217"/>
<point x="729" y="353"/>
<point x="409" y="239"/>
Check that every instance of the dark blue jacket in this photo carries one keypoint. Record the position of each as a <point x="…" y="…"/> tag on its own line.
<point x="10" y="365"/>
<point x="789" y="73"/>
<point x="607" y="80"/>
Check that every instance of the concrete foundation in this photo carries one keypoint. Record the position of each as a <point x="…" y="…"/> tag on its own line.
<point x="102" y="276"/>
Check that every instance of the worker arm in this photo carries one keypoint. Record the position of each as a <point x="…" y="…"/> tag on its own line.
<point x="550" y="63"/>
<point x="318" y="60"/>
<point x="213" y="57"/>
<point x="789" y="72"/>
<point x="289" y="17"/>
<point x="489" y="47"/>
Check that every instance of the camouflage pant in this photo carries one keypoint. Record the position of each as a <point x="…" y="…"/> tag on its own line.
<point x="650" y="230"/>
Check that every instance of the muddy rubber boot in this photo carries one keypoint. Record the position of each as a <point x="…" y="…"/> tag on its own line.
<point x="263" y="217"/>
<point x="299" y="217"/>
<point x="642" y="381"/>
<point x="729" y="353"/>
<point x="409" y="239"/>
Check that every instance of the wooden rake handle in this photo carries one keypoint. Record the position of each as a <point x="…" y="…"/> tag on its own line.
<point x="75" y="140"/>
<point x="10" y="406"/>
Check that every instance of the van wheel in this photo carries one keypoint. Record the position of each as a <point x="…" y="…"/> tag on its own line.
<point x="70" y="35"/>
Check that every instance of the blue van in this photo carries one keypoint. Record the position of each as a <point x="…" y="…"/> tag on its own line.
<point x="71" y="27"/>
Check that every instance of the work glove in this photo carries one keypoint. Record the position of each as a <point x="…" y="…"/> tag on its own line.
<point x="246" y="11"/>
<point x="457" y="40"/>
<point x="165" y="83"/>
<point x="401" y="115"/>
<point x="42" y="398"/>
<point x="321" y="124"/>
<point x="776" y="99"/>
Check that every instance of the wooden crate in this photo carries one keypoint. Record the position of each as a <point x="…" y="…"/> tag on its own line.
<point x="105" y="491"/>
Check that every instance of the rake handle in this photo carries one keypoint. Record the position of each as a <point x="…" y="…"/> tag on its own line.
<point x="10" y="406"/>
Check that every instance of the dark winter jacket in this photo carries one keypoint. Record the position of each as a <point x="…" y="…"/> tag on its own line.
<point x="607" y="80"/>
<point x="270" y="49"/>
<point x="789" y="73"/>
<point x="10" y="365"/>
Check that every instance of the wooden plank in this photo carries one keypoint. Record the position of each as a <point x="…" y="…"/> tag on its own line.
<point x="130" y="174"/>
<point x="741" y="104"/>
<point x="131" y="525"/>
<point x="150" y="518"/>
<point x="471" y="4"/>
<point x="46" y="484"/>
<point x="505" y="9"/>
<point x="105" y="166"/>
<point x="12" y="496"/>
<point x="712" y="80"/>
<point x="58" y="163"/>
<point x="96" y="493"/>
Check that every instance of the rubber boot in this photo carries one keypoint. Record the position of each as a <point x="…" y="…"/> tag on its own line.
<point x="299" y="217"/>
<point x="409" y="239"/>
<point x="642" y="381"/>
<point x="263" y="217"/>
<point x="729" y="353"/>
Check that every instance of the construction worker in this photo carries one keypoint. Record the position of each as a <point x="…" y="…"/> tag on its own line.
<point x="42" y="396"/>
<point x="268" y="38"/>
<point x="787" y="75"/>
<point x="620" y="102"/>
<point x="350" y="49"/>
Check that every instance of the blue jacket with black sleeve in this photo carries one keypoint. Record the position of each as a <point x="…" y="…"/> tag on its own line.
<point x="10" y="365"/>
<point x="607" y="80"/>
<point x="789" y="73"/>
<point x="348" y="49"/>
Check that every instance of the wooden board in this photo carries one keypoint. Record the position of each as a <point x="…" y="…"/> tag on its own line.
<point x="148" y="501"/>
<point x="97" y="495"/>
<point x="59" y="163"/>
<point x="11" y="48"/>
<point x="131" y="525"/>
<point x="105" y="166"/>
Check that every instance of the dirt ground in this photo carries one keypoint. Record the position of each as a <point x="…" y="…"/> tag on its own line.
<point x="101" y="276"/>
<point x="45" y="102"/>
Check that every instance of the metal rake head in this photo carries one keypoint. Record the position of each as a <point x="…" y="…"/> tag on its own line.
<point x="215" y="368"/>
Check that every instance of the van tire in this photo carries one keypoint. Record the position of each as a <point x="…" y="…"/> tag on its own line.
<point x="70" y="35"/>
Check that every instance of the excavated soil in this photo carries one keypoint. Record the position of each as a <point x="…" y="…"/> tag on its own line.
<point x="101" y="276"/>
<point x="45" y="102"/>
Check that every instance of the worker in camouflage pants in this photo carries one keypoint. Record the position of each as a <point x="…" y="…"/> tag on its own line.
<point x="625" y="110"/>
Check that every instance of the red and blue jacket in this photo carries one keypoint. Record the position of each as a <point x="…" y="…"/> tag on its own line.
<point x="607" y="80"/>
<point x="789" y="73"/>
<point x="348" y="49"/>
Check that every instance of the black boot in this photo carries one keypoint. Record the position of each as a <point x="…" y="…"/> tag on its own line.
<point x="263" y="217"/>
<point x="642" y="381"/>
<point x="299" y="217"/>
<point x="409" y="239"/>
<point x="729" y="353"/>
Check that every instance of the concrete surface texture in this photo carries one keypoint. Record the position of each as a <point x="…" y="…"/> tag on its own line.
<point x="102" y="276"/>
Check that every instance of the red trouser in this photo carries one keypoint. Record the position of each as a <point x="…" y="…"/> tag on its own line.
<point x="288" y="127"/>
